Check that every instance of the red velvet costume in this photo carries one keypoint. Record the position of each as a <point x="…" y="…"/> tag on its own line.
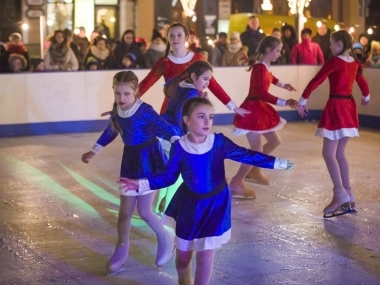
<point x="339" y="118"/>
<point x="171" y="67"/>
<point x="263" y="117"/>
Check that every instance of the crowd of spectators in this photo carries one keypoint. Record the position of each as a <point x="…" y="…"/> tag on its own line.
<point x="65" y="51"/>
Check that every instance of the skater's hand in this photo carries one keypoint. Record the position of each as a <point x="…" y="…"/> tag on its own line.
<point x="87" y="156"/>
<point x="292" y="103"/>
<point x="302" y="110"/>
<point x="126" y="184"/>
<point x="241" y="111"/>
<point x="108" y="113"/>
<point x="364" y="102"/>
<point x="204" y="95"/>
<point x="289" y="87"/>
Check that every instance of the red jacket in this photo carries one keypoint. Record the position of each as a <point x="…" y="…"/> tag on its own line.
<point x="307" y="52"/>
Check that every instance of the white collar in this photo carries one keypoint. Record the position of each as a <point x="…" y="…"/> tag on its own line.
<point x="346" y="58"/>
<point x="260" y="62"/>
<point x="181" y="60"/>
<point x="130" y="112"/>
<point x="197" y="148"/>
<point x="185" y="84"/>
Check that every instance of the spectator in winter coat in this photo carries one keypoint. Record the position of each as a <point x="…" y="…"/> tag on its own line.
<point x="289" y="35"/>
<point x="127" y="44"/>
<point x="102" y="53"/>
<point x="307" y="52"/>
<point x="216" y="53"/>
<point x="252" y="36"/>
<point x="82" y="42"/>
<point x="285" y="51"/>
<point x="156" y="49"/>
<point x="59" y="56"/>
<point x="322" y="38"/>
<point x="235" y="53"/>
<point x="16" y="46"/>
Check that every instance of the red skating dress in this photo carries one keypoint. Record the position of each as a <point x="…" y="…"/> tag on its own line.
<point x="171" y="67"/>
<point x="339" y="118"/>
<point x="263" y="117"/>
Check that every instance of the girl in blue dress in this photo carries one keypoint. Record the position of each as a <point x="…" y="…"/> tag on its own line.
<point x="189" y="84"/>
<point x="200" y="211"/>
<point x="138" y="125"/>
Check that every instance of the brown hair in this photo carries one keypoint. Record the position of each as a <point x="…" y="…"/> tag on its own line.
<point x="346" y="39"/>
<point x="198" y="68"/>
<point x="122" y="77"/>
<point x="267" y="42"/>
<point x="189" y="107"/>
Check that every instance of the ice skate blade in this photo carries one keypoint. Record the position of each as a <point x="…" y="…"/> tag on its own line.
<point x="121" y="269"/>
<point x="162" y="267"/>
<point x="256" y="181"/>
<point x="341" y="210"/>
<point x="242" y="197"/>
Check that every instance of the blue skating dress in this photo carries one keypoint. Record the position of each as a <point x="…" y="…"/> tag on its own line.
<point x="200" y="211"/>
<point x="143" y="154"/>
<point x="173" y="113"/>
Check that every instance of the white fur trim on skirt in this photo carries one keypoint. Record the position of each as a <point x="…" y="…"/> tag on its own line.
<point x="239" y="132"/>
<point x="201" y="244"/>
<point x="337" y="134"/>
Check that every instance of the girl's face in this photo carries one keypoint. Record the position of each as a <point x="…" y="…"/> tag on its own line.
<point x="336" y="46"/>
<point x="128" y="38"/>
<point x="274" y="54"/>
<point x="126" y="62"/>
<point x="202" y="81"/>
<point x="59" y="38"/>
<point x="376" y="51"/>
<point x="101" y="45"/>
<point x="199" y="121"/>
<point x="177" y="37"/>
<point x="125" y="95"/>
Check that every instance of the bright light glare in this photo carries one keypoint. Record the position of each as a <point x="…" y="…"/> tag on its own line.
<point x="336" y="27"/>
<point x="351" y="30"/>
<point x="319" y="23"/>
<point x="370" y="31"/>
<point x="113" y="20"/>
<point x="210" y="42"/>
<point x="25" y="26"/>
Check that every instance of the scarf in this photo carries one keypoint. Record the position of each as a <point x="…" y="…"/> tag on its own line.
<point x="100" y="54"/>
<point x="160" y="47"/>
<point x="234" y="48"/>
<point x="58" y="53"/>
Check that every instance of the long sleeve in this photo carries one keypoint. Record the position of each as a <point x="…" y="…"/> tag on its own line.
<point x="320" y="57"/>
<point x="294" y="54"/>
<point x="323" y="73"/>
<point x="162" y="128"/>
<point x="362" y="82"/>
<point x="247" y="156"/>
<point x="72" y="62"/>
<point x="152" y="77"/>
<point x="107" y="136"/>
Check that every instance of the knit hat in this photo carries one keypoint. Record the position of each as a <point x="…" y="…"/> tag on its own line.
<point x="91" y="61"/>
<point x="35" y="61"/>
<point x="156" y="34"/>
<point x="357" y="46"/>
<point x="131" y="57"/>
<point x="141" y="41"/>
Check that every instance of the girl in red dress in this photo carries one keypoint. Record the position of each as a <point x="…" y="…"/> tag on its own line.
<point x="177" y="59"/>
<point x="263" y="119"/>
<point x="339" y="120"/>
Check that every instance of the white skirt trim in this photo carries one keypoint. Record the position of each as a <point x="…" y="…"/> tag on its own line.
<point x="239" y="132"/>
<point x="134" y="193"/>
<point x="207" y="243"/>
<point x="337" y="134"/>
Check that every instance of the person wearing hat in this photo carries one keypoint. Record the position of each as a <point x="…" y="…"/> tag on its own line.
<point x="235" y="53"/>
<point x="38" y="64"/>
<point x="92" y="63"/>
<point x="358" y="51"/>
<point x="193" y="42"/>
<point x="16" y="63"/>
<point x="217" y="51"/>
<point x="156" y="49"/>
<point x="16" y="46"/>
<point x="307" y="52"/>
<point x="129" y="61"/>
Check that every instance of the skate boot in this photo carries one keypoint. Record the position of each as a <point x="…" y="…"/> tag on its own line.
<point x="339" y="205"/>
<point x="118" y="258"/>
<point x="257" y="176"/>
<point x="165" y="249"/>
